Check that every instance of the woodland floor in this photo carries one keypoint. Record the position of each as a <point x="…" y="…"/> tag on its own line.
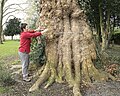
<point x="20" y="88"/>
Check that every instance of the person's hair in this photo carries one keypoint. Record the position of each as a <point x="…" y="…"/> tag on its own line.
<point x="23" y="26"/>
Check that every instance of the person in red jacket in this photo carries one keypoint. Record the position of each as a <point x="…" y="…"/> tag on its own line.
<point x="24" y="49"/>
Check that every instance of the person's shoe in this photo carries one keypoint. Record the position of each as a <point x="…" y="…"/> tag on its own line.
<point x="27" y="79"/>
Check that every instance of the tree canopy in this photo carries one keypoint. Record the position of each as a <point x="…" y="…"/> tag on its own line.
<point x="12" y="27"/>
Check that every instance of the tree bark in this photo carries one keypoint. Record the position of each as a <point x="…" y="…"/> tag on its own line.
<point x="109" y="35"/>
<point x="11" y="37"/>
<point x="103" y="46"/>
<point x="1" y="18"/>
<point x="70" y="47"/>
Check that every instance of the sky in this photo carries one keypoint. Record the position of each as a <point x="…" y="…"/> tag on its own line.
<point x="17" y="14"/>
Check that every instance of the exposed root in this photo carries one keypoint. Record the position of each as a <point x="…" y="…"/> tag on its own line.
<point x="94" y="74"/>
<point x="15" y="67"/>
<point x="52" y="78"/>
<point x="59" y="78"/>
<point x="17" y="72"/>
<point x="76" y="90"/>
<point x="39" y="72"/>
<point x="112" y="77"/>
<point x="43" y="77"/>
<point x="50" y="81"/>
<point x="85" y="72"/>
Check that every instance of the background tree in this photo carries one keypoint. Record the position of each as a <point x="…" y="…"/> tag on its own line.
<point x="33" y="13"/>
<point x="103" y="16"/>
<point x="6" y="10"/>
<point x="70" y="48"/>
<point x="12" y="27"/>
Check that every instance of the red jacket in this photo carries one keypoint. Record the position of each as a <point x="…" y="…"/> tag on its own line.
<point x="25" y="40"/>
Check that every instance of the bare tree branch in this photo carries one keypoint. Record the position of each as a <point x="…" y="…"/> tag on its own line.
<point x="11" y="12"/>
<point x="14" y="5"/>
<point x="8" y="7"/>
<point x="14" y="9"/>
<point x="7" y="19"/>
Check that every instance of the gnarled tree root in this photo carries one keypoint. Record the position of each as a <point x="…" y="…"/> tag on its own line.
<point x="42" y="78"/>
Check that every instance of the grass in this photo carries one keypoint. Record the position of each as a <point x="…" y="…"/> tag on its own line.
<point x="9" y="48"/>
<point x="3" y="89"/>
<point x="117" y="31"/>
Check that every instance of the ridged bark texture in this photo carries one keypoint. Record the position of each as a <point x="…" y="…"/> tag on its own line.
<point x="70" y="47"/>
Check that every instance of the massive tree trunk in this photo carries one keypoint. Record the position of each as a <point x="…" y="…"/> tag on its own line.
<point x="70" y="47"/>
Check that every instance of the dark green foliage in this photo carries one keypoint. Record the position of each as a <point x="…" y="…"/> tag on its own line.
<point x="91" y="8"/>
<point x="12" y="27"/>
<point x="116" y="38"/>
<point x="38" y="51"/>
